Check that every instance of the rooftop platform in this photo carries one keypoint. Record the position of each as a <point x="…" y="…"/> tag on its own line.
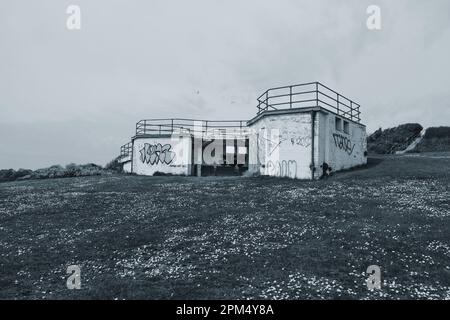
<point x="197" y="128"/>
<point x="308" y="95"/>
<point x="312" y="96"/>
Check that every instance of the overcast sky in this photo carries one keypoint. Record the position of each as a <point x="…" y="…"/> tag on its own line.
<point x="75" y="96"/>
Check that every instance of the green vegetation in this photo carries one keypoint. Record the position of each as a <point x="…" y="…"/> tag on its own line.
<point x="231" y="237"/>
<point x="436" y="139"/>
<point x="392" y="140"/>
<point x="57" y="171"/>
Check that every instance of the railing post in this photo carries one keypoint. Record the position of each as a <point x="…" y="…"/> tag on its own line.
<point x="159" y="129"/>
<point x="267" y="100"/>
<point x="290" y="96"/>
<point x="337" y="106"/>
<point x="317" y="94"/>
<point x="351" y="110"/>
<point x="172" y="126"/>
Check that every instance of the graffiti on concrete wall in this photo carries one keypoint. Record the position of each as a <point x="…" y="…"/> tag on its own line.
<point x="157" y="153"/>
<point x="304" y="141"/>
<point x="274" y="145"/>
<point x="265" y="148"/>
<point x="284" y="168"/>
<point x="343" y="143"/>
<point x="299" y="136"/>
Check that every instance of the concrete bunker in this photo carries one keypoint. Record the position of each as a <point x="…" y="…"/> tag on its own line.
<point x="299" y="131"/>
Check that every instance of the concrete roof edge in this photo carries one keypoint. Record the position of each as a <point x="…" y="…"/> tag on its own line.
<point x="297" y="110"/>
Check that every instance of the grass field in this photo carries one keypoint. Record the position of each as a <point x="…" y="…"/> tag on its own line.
<point x="231" y="237"/>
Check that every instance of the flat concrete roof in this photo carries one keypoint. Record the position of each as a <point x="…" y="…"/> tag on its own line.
<point x="297" y="110"/>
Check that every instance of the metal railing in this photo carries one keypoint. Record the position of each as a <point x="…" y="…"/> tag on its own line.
<point x="125" y="150"/>
<point x="191" y="126"/>
<point x="312" y="94"/>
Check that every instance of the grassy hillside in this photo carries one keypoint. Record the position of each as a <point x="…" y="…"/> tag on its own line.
<point x="436" y="139"/>
<point x="391" y="140"/>
<point x="235" y="237"/>
<point x="57" y="171"/>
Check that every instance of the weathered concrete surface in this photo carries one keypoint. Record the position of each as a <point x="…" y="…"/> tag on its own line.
<point x="170" y="155"/>
<point x="342" y="150"/>
<point x="280" y="146"/>
<point x="127" y="166"/>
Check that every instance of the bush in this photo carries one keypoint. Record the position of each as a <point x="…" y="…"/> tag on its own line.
<point x="114" y="166"/>
<point x="437" y="132"/>
<point x="159" y="173"/>
<point x="51" y="172"/>
<point x="394" y="139"/>
<point x="90" y="169"/>
<point x="57" y="171"/>
<point x="12" y="175"/>
<point x="436" y="139"/>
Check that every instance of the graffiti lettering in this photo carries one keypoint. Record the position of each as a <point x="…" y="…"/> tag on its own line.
<point x="304" y="141"/>
<point x="343" y="143"/>
<point x="156" y="153"/>
<point x="272" y="146"/>
<point x="284" y="168"/>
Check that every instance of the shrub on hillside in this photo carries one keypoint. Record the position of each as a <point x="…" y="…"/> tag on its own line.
<point x="51" y="172"/>
<point x="12" y="175"/>
<point x="437" y="132"/>
<point x="436" y="139"/>
<point x="394" y="139"/>
<point x="114" y="166"/>
<point x="57" y="171"/>
<point x="90" y="169"/>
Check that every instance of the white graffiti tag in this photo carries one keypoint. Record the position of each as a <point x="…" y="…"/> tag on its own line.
<point x="284" y="168"/>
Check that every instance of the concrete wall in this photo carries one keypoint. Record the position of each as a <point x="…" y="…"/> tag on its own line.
<point x="167" y="154"/>
<point x="319" y="146"/>
<point x="126" y="166"/>
<point x="126" y="163"/>
<point x="339" y="149"/>
<point x="280" y="146"/>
